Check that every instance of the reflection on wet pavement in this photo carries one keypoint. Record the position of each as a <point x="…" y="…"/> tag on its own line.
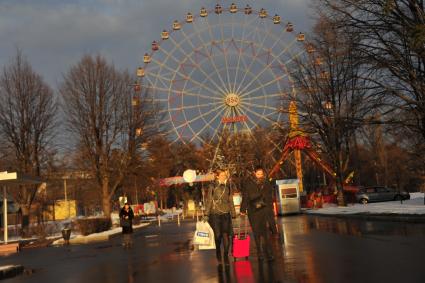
<point x="309" y="249"/>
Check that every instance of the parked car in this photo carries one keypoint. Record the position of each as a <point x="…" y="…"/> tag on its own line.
<point x="376" y="194"/>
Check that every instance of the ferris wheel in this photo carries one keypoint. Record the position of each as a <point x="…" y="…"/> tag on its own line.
<point x="221" y="69"/>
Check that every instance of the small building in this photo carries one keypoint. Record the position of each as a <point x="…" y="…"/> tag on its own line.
<point x="288" y="196"/>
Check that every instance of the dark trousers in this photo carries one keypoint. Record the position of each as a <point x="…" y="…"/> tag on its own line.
<point x="261" y="229"/>
<point x="222" y="227"/>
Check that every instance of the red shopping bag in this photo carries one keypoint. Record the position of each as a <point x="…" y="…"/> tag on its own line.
<point x="241" y="242"/>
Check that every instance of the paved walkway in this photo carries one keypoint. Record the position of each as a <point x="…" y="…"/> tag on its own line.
<point x="316" y="249"/>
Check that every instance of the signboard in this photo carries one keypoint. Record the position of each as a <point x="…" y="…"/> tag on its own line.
<point x="65" y="209"/>
<point x="234" y="119"/>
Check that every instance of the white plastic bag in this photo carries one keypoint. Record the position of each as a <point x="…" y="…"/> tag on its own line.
<point x="204" y="236"/>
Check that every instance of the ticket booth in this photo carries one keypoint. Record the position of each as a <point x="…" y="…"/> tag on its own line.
<point x="288" y="196"/>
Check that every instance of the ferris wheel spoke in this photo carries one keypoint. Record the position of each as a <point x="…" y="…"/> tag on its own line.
<point x="217" y="130"/>
<point x="259" y="105"/>
<point x="208" y="124"/>
<point x="254" y="34"/>
<point x="264" y="85"/>
<point x="153" y="79"/>
<point x="275" y="79"/>
<point x="270" y="64"/>
<point x="250" y="119"/>
<point x="261" y="47"/>
<point x="199" y="66"/>
<point x="248" y="70"/>
<point x="280" y="94"/>
<point x="177" y="91"/>
<point x="199" y="117"/>
<point x="190" y="107"/>
<point x="263" y="117"/>
<point x="239" y="55"/>
<point x="209" y="27"/>
<point x="196" y="64"/>
<point x="229" y="87"/>
<point x="241" y="112"/>
<point x="182" y="92"/>
<point x="186" y="78"/>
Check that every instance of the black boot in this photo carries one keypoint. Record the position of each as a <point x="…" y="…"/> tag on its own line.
<point x="218" y="250"/>
<point x="226" y="245"/>
<point x="260" y="254"/>
<point x="267" y="246"/>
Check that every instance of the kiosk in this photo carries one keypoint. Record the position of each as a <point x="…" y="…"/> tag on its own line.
<point x="288" y="196"/>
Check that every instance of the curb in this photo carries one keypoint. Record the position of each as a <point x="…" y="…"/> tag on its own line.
<point x="10" y="271"/>
<point x="415" y="218"/>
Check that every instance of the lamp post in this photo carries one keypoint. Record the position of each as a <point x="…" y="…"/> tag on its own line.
<point x="5" y="214"/>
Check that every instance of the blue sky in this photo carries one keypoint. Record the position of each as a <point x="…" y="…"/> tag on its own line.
<point x="54" y="34"/>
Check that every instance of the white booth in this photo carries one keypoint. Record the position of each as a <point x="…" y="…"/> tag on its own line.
<point x="288" y="196"/>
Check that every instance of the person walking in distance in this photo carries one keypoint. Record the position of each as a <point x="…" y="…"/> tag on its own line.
<point x="219" y="212"/>
<point x="257" y="202"/>
<point x="126" y="222"/>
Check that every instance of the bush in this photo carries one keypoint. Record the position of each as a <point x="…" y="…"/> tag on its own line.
<point x="93" y="225"/>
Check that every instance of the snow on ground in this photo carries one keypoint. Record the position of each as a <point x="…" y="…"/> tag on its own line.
<point x="415" y="205"/>
<point x="168" y="214"/>
<point x="94" y="236"/>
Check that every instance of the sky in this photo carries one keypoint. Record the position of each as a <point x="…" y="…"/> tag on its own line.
<point x="55" y="34"/>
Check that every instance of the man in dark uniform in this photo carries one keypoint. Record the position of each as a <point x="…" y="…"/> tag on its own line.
<point x="257" y="201"/>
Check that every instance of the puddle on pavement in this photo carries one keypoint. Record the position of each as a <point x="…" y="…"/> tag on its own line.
<point x="151" y="236"/>
<point x="355" y="227"/>
<point x="104" y="247"/>
<point x="183" y="248"/>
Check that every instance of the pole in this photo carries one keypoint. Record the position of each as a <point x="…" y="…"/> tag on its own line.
<point x="66" y="195"/>
<point x="178" y="219"/>
<point x="5" y="214"/>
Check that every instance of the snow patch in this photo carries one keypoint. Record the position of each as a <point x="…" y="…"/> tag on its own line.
<point x="413" y="206"/>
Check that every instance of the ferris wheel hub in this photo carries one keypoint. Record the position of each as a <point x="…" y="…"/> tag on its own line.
<point x="232" y="99"/>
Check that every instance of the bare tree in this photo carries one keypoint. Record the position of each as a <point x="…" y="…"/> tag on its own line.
<point x="109" y="119"/>
<point x="391" y="37"/>
<point x="27" y="121"/>
<point x="334" y="98"/>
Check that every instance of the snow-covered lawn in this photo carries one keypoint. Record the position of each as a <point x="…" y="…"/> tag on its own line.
<point x="413" y="206"/>
<point x="96" y="236"/>
<point x="56" y="227"/>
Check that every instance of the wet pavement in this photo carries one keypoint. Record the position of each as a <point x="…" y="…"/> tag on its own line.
<point x="315" y="249"/>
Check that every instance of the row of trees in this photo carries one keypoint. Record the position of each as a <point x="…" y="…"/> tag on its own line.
<point x="360" y="97"/>
<point x="363" y="72"/>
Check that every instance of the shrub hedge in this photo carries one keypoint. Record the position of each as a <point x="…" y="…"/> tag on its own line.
<point x="93" y="225"/>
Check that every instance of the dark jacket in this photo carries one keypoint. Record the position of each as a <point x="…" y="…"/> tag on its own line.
<point x="219" y="200"/>
<point x="126" y="220"/>
<point x="252" y="193"/>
